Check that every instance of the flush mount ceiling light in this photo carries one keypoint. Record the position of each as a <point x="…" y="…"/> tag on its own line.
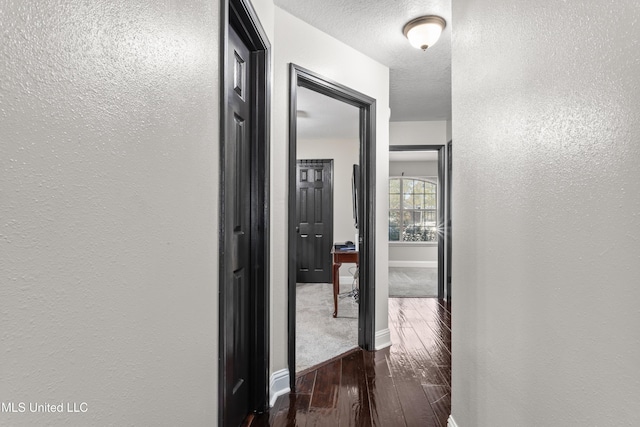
<point x="425" y="31"/>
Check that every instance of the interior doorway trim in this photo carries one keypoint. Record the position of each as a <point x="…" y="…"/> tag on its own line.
<point x="441" y="149"/>
<point x="301" y="77"/>
<point x="241" y="15"/>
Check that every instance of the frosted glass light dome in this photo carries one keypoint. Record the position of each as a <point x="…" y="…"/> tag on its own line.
<point x="425" y="31"/>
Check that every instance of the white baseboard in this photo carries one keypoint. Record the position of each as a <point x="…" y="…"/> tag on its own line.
<point x="383" y="339"/>
<point x="278" y="385"/>
<point x="414" y="264"/>
<point x="451" y="422"/>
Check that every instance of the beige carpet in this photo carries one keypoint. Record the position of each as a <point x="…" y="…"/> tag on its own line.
<point x="320" y="337"/>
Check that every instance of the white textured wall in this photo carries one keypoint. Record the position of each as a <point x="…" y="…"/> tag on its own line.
<point x="427" y="168"/>
<point x="418" y="133"/>
<point x="345" y="153"/>
<point x="308" y="47"/>
<point x="265" y="11"/>
<point x="108" y="210"/>
<point x="546" y="208"/>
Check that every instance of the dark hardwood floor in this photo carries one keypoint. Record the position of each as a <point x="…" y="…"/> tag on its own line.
<point x="407" y="384"/>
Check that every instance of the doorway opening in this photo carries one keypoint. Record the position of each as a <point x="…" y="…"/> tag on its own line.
<point x="417" y="229"/>
<point x="328" y="145"/>
<point x="307" y="238"/>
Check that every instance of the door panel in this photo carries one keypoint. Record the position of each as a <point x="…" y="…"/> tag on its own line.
<point x="237" y="229"/>
<point x="315" y="221"/>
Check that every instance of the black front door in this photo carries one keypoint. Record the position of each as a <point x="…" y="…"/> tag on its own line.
<point x="315" y="221"/>
<point x="237" y="220"/>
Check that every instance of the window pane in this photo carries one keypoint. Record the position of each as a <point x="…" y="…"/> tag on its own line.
<point x="417" y="198"/>
<point x="418" y="186"/>
<point x="394" y="186"/>
<point x="394" y="218"/>
<point x="409" y="232"/>
<point x="394" y="201"/>
<point x="424" y="231"/>
<point x="394" y="225"/>
<point x="430" y="201"/>
<point x="430" y="215"/>
<point x="394" y="234"/>
<point x="407" y="201"/>
<point x="407" y="186"/>
<point x="407" y="217"/>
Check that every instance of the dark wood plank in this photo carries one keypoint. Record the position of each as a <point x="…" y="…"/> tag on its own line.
<point x="416" y="410"/>
<point x="353" y="405"/>
<point x="298" y="411"/>
<point x="445" y="304"/>
<point x="431" y="313"/>
<point x="399" y="309"/>
<point x="269" y="418"/>
<point x="433" y="320"/>
<point x="445" y="372"/>
<point x="424" y="331"/>
<point x="327" y="387"/>
<point x="289" y="411"/>
<point x="412" y="344"/>
<point x="436" y="340"/>
<point x="439" y="354"/>
<point x="444" y="315"/>
<point x="442" y="333"/>
<point x="426" y="371"/>
<point x="407" y="384"/>
<point x="322" y="417"/>
<point x="406" y="311"/>
<point x="383" y="397"/>
<point x="411" y="339"/>
<point x="305" y="383"/>
<point x="439" y="398"/>
<point x="431" y="374"/>
<point x="249" y="421"/>
<point x="327" y="362"/>
<point x="323" y="409"/>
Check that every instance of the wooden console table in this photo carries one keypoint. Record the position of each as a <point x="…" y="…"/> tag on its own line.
<point x="338" y="258"/>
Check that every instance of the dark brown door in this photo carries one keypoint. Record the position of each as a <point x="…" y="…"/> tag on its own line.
<point x="237" y="229"/>
<point x="315" y="221"/>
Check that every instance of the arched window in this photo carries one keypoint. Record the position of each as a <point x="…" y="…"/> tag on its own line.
<point x="412" y="209"/>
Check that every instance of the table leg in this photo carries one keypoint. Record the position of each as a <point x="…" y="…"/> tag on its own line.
<point x="336" y="287"/>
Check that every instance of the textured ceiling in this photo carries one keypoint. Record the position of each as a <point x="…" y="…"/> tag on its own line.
<point x="322" y="117"/>
<point x="420" y="81"/>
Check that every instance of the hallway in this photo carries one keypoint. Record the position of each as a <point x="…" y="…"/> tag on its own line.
<point x="408" y="383"/>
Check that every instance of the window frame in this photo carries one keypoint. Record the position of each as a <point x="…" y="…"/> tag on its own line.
<point x="429" y="179"/>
